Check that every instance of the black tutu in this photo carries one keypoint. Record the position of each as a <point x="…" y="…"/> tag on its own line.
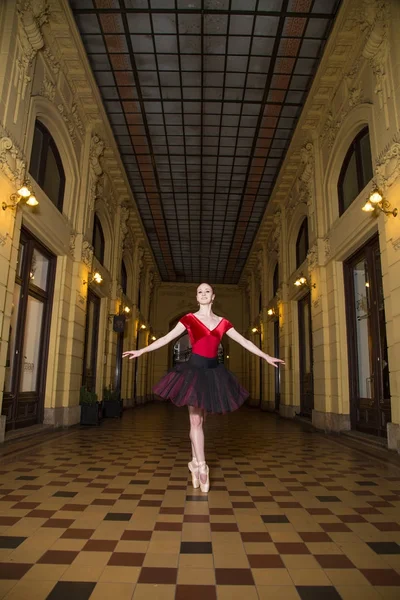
<point x="204" y="383"/>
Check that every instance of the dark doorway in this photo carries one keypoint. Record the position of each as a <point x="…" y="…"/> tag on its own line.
<point x="306" y="357"/>
<point x="370" y="405"/>
<point x="277" y="371"/>
<point x="26" y="363"/>
<point x="91" y="342"/>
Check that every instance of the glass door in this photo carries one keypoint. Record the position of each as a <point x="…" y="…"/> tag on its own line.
<point x="306" y="357"/>
<point x="370" y="406"/>
<point x="91" y="342"/>
<point x="26" y="361"/>
<point x="277" y="372"/>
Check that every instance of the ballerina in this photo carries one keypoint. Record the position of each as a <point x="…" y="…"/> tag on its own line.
<point x="201" y="383"/>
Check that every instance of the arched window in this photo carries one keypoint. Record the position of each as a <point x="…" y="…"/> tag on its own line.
<point x="124" y="278"/>
<point x="98" y="240"/>
<point x="302" y="244"/>
<point x="275" y="280"/>
<point x="46" y="166"/>
<point x="356" y="170"/>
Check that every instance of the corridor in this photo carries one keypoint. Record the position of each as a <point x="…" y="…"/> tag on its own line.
<point x="109" y="512"/>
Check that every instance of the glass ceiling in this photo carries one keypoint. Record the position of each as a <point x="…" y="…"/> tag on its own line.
<point x="203" y="97"/>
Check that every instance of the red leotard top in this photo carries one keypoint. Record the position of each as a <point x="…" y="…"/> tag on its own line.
<point x="205" y="341"/>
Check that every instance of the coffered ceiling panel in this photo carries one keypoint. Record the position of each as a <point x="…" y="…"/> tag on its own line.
<point x="203" y="97"/>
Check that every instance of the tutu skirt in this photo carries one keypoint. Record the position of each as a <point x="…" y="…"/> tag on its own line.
<point x="204" y="383"/>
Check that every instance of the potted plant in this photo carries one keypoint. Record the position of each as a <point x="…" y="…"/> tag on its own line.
<point x="112" y="403"/>
<point x="91" y="409"/>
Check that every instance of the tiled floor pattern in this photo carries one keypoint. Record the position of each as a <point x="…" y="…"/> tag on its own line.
<point x="109" y="512"/>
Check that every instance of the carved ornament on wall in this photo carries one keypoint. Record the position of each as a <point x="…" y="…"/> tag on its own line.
<point x="388" y="165"/>
<point x="87" y="254"/>
<point x="12" y="161"/>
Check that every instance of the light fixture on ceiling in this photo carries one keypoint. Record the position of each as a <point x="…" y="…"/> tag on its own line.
<point x="376" y="202"/>
<point x="24" y="194"/>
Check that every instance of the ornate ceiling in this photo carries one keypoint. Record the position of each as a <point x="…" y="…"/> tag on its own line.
<point x="203" y="97"/>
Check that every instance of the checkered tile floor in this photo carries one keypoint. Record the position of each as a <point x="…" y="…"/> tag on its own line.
<point x="109" y="512"/>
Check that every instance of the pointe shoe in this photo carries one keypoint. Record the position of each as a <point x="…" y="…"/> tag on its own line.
<point x="194" y="469"/>
<point x="204" y="470"/>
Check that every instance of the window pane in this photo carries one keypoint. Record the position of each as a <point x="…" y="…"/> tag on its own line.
<point x="12" y="336"/>
<point x="363" y="324"/>
<point x="32" y="345"/>
<point x="366" y="160"/>
<point x="350" y="183"/>
<point x="39" y="270"/>
<point x="52" y="180"/>
<point x="275" y="280"/>
<point x="302" y="244"/>
<point x="98" y="240"/>
<point x="36" y="154"/>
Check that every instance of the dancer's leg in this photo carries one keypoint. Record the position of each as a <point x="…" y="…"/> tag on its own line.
<point x="196" y="432"/>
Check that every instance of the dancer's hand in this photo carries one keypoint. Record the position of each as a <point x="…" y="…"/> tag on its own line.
<point x="132" y="354"/>
<point x="274" y="361"/>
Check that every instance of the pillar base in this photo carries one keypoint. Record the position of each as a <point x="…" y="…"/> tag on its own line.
<point x="288" y="411"/>
<point x="330" y="421"/>
<point x="393" y="436"/>
<point x="62" y="416"/>
<point x="3" y="420"/>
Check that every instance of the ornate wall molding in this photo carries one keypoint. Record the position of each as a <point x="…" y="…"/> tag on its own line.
<point x="312" y="257"/>
<point x="396" y="244"/>
<point x="302" y="191"/>
<point x="12" y="161"/>
<point x="48" y="89"/>
<point x="87" y="254"/>
<point x="273" y="243"/>
<point x="387" y="167"/>
<point x="96" y="150"/>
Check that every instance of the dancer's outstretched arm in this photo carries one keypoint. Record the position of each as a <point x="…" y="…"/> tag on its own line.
<point x="235" y="335"/>
<point x="162" y="341"/>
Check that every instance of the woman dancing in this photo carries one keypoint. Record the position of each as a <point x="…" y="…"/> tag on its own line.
<point x="201" y="383"/>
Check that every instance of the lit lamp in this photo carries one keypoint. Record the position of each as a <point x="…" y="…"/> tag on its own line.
<point x="270" y="312"/>
<point x="24" y="193"/>
<point x="143" y="326"/>
<point x="97" y="278"/>
<point x="301" y="280"/>
<point x="127" y="310"/>
<point x="254" y="330"/>
<point x="377" y="202"/>
<point x="153" y="337"/>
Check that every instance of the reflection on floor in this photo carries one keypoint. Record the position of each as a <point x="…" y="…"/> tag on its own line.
<point x="109" y="512"/>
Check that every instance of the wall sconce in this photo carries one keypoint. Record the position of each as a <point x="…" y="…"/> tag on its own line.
<point x="153" y="337"/>
<point x="376" y="202"/>
<point x="254" y="330"/>
<point x="24" y="193"/>
<point x="127" y="310"/>
<point x="271" y="312"/>
<point x="143" y="326"/>
<point x="301" y="280"/>
<point x="227" y="356"/>
<point x="96" y="277"/>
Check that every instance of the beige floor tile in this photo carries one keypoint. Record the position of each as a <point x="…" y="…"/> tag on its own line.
<point x="285" y="536"/>
<point x="300" y="561"/>
<point x="356" y="592"/>
<point x="238" y="592"/>
<point x="309" y="577"/>
<point x="82" y="573"/>
<point x="199" y="561"/>
<point x="145" y="591"/>
<point x="117" y="591"/>
<point x="45" y="572"/>
<point x="109" y="530"/>
<point x="132" y="546"/>
<point x="171" y="547"/>
<point x="66" y="544"/>
<point x="231" y="561"/>
<point x="271" y="577"/>
<point x="24" y="590"/>
<point x="5" y="586"/>
<point x="260" y="548"/>
<point x="278" y="592"/>
<point x="347" y="577"/>
<point x="388" y="593"/>
<point x="161" y="560"/>
<point x="195" y="576"/>
<point x="92" y="559"/>
<point x="120" y="574"/>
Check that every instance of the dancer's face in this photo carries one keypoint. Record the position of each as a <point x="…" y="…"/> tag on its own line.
<point x="205" y="294"/>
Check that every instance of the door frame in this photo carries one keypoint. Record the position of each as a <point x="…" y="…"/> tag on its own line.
<point x="376" y="355"/>
<point x="301" y="334"/>
<point x="31" y="243"/>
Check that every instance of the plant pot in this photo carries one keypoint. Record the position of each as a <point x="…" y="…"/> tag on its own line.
<point x="112" y="409"/>
<point x="91" y="414"/>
